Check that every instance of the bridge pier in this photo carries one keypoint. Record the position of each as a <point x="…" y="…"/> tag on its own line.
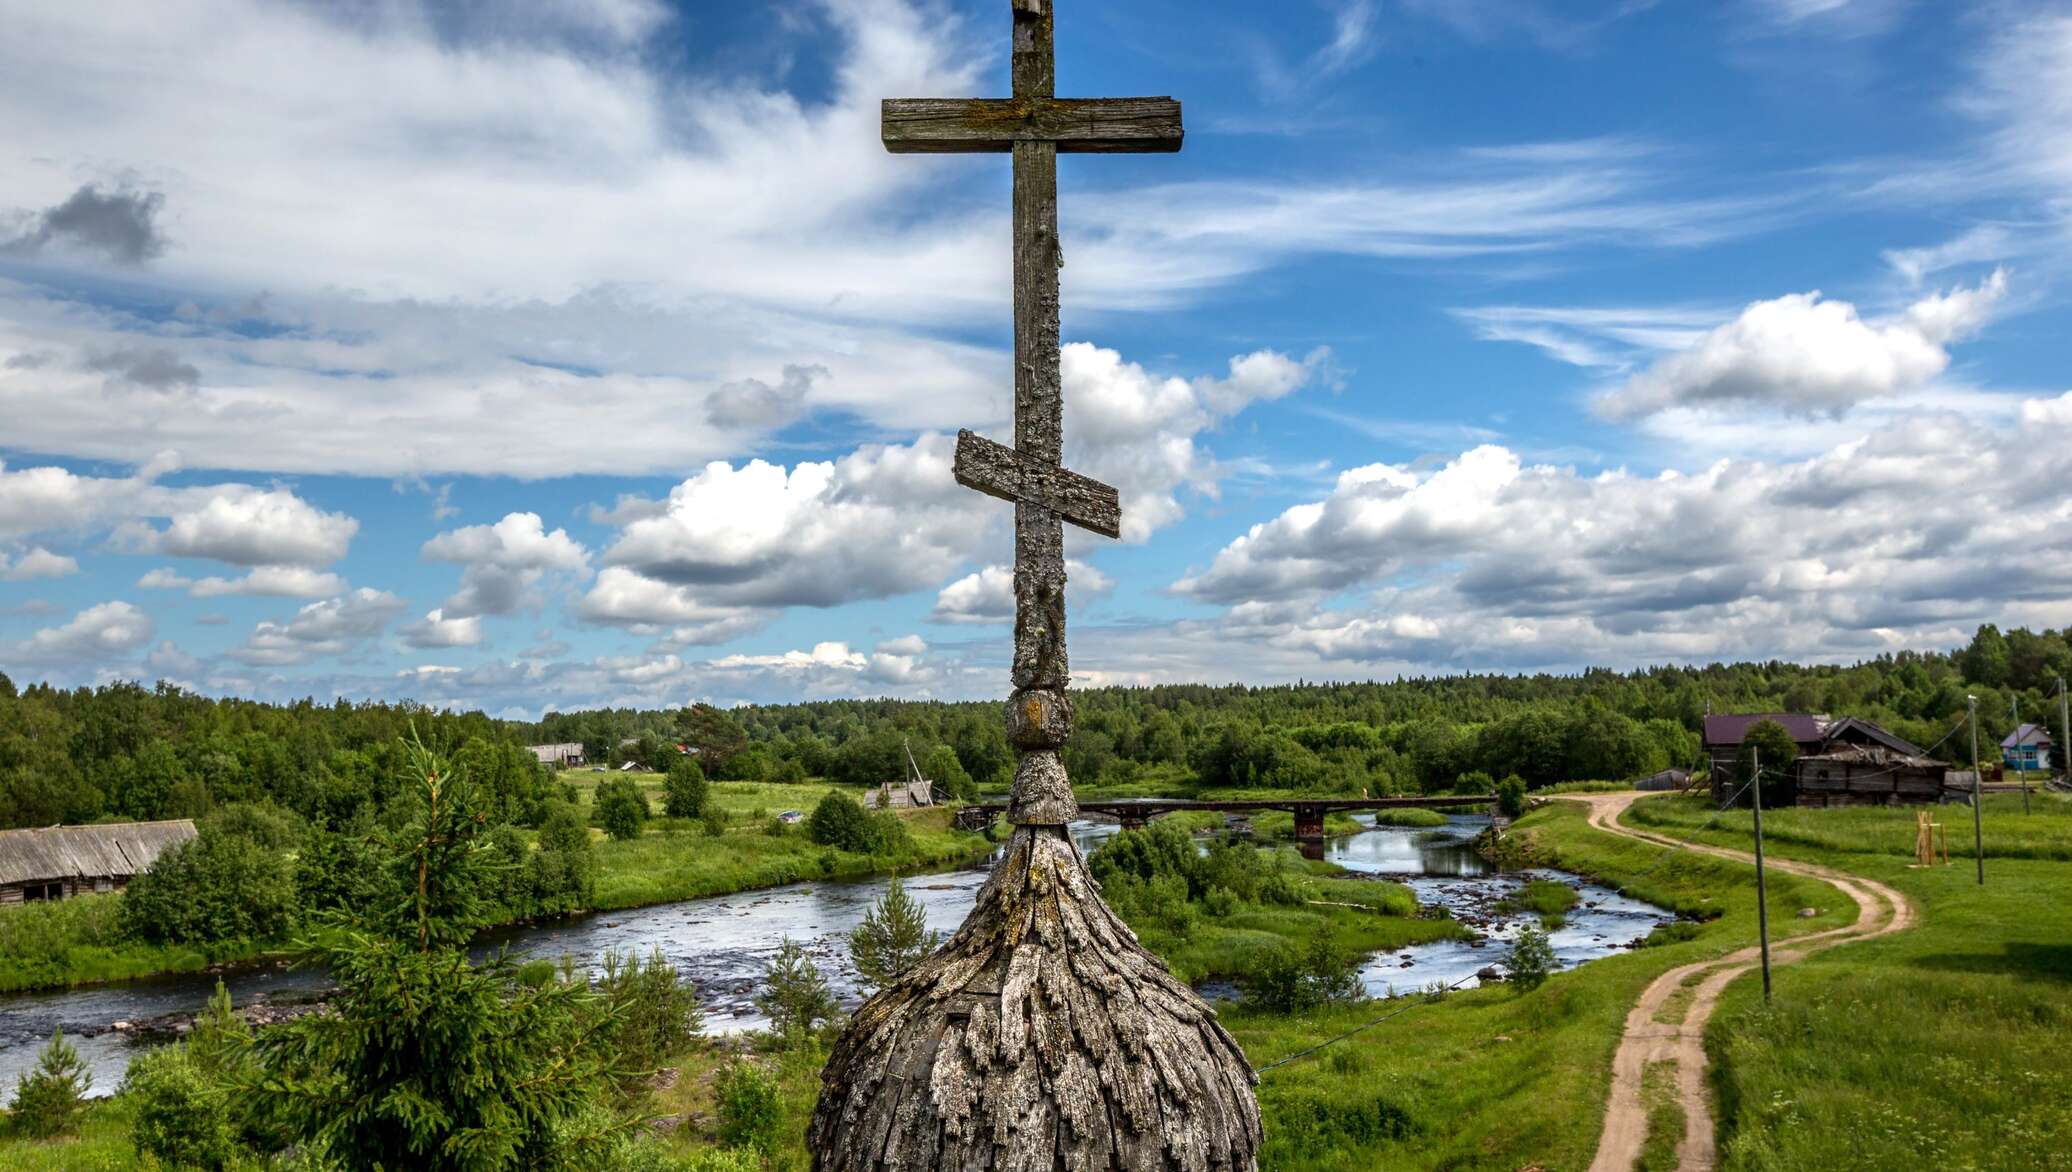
<point x="1309" y="823"/>
<point x="1135" y="821"/>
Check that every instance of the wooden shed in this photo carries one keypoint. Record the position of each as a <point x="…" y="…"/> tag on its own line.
<point x="1868" y="775"/>
<point x="566" y="755"/>
<point x="61" y="861"/>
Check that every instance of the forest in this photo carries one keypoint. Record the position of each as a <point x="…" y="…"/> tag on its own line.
<point x="126" y="751"/>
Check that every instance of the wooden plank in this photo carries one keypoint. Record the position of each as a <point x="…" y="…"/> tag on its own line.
<point x="1075" y="125"/>
<point x="998" y="470"/>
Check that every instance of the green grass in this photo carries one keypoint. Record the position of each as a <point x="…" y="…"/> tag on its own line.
<point x="102" y="1144"/>
<point x="676" y="863"/>
<point x="1547" y="898"/>
<point x="1939" y="1046"/>
<point x="1411" y="816"/>
<point x="1492" y="1078"/>
<point x="1665" y="1118"/>
<point x="1362" y="916"/>
<point x="78" y="941"/>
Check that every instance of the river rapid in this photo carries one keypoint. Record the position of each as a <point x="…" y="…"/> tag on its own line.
<point x="723" y="942"/>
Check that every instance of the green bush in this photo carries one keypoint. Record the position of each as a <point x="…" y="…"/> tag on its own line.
<point x="621" y="807"/>
<point x="1285" y="979"/>
<point x="1530" y="960"/>
<point x="1510" y="797"/>
<point x="750" y="1113"/>
<point x="217" y="886"/>
<point x="656" y="1013"/>
<point x="49" y="1100"/>
<point x="1673" y="932"/>
<point x="182" y="1116"/>
<point x="840" y="821"/>
<point x="686" y="792"/>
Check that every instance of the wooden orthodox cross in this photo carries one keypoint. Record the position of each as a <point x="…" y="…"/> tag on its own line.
<point x="1041" y="1035"/>
<point x="1035" y="125"/>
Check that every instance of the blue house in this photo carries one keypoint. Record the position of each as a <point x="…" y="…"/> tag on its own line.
<point x="2027" y="747"/>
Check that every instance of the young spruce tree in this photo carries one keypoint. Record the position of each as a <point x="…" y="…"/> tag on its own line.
<point x="893" y="937"/>
<point x="427" y="1060"/>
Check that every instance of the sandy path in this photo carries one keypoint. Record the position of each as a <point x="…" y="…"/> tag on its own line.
<point x="1645" y="1041"/>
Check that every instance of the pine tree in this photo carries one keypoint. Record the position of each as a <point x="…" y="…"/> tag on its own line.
<point x="893" y="937"/>
<point x="47" y="1102"/>
<point x="795" y="997"/>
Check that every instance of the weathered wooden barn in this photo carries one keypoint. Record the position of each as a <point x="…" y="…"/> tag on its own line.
<point x="1814" y="735"/>
<point x="1868" y="775"/>
<point x="61" y="861"/>
<point x="567" y="755"/>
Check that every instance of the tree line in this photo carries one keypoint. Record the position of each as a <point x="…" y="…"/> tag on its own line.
<point x="124" y="751"/>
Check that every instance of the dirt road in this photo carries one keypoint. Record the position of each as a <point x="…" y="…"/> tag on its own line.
<point x="1647" y="1041"/>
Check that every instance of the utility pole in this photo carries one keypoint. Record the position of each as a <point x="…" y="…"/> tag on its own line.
<point x="2064" y="744"/>
<point x="1978" y="796"/>
<point x="1762" y="889"/>
<point x="2014" y="707"/>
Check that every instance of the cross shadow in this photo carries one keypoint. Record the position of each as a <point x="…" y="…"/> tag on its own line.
<point x="2040" y="961"/>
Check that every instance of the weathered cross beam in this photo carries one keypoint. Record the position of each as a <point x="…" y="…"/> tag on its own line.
<point x="1042" y="1035"/>
<point x="998" y="470"/>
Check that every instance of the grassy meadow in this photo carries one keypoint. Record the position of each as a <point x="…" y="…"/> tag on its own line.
<point x="1940" y="1046"/>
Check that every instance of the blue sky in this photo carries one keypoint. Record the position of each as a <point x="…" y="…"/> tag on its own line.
<point x="554" y="354"/>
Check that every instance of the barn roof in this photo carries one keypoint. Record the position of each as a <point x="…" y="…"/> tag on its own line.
<point x="1876" y="755"/>
<point x="63" y="852"/>
<point x="2028" y="734"/>
<point x="1875" y="732"/>
<point x="1803" y="728"/>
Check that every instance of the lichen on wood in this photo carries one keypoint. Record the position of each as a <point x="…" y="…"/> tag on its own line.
<point x="1041" y="1036"/>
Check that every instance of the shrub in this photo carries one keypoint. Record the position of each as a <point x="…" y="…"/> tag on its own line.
<point x="1510" y="797"/>
<point x="656" y="1012"/>
<point x="686" y="794"/>
<point x="217" y="886"/>
<point x="840" y="821"/>
<point x="48" y="1100"/>
<point x="750" y="1115"/>
<point x="1285" y="979"/>
<point x="893" y="937"/>
<point x="182" y="1116"/>
<point x="1530" y="960"/>
<point x="1220" y="902"/>
<point x="794" y="996"/>
<point x="714" y="821"/>
<point x="1673" y="932"/>
<point x="620" y="808"/>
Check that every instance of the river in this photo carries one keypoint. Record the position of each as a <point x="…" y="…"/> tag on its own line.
<point x="723" y="942"/>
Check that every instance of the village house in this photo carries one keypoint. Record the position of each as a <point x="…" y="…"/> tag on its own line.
<point x="1867" y="775"/>
<point x="1815" y="736"/>
<point x="567" y="755"/>
<point x="2027" y="747"/>
<point x="57" y="862"/>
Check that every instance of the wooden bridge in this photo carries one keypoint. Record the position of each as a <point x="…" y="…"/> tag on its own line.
<point x="1309" y="813"/>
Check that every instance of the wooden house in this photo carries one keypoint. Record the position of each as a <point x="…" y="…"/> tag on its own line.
<point x="566" y="755"/>
<point x="2027" y="747"/>
<point x="1814" y="735"/>
<point x="61" y="861"/>
<point x="1867" y="775"/>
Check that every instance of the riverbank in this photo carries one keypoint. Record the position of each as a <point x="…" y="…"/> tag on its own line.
<point x="78" y="942"/>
